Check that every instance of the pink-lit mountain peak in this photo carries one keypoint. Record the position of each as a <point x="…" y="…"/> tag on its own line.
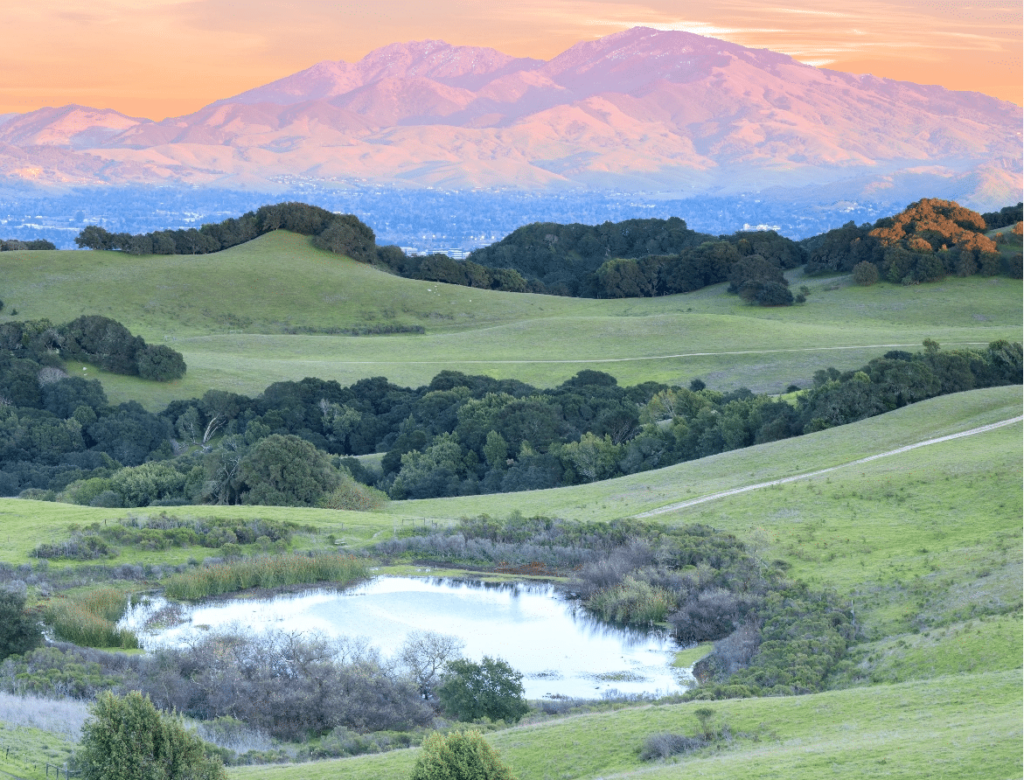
<point x="641" y="109"/>
<point x="643" y="55"/>
<point x="467" y="67"/>
<point x="72" y="125"/>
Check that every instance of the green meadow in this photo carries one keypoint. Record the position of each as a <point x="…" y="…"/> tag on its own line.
<point x="963" y="727"/>
<point x="233" y="315"/>
<point x="925" y="544"/>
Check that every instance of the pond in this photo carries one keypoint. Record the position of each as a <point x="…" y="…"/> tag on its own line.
<point x="560" y="649"/>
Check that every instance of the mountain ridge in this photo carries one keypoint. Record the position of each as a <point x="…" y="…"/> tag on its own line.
<point x="637" y="110"/>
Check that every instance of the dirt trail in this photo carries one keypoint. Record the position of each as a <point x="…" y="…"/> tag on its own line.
<point x="746" y="489"/>
<point x="453" y="361"/>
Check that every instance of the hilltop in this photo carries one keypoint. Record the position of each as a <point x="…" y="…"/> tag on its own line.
<point x="276" y="308"/>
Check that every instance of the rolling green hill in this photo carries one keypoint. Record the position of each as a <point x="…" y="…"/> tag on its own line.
<point x="925" y="544"/>
<point x="231" y="313"/>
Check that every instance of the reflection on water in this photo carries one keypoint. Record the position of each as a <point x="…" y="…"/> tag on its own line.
<point x="560" y="649"/>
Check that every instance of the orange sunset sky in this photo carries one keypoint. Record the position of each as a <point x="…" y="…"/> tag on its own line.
<point x="158" y="58"/>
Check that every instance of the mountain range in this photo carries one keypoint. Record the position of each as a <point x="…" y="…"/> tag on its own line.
<point x="641" y="110"/>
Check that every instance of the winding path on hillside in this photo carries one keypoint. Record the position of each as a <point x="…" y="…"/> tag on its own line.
<point x="452" y="361"/>
<point x="746" y="489"/>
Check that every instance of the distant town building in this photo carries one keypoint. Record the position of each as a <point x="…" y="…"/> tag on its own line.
<point x="454" y="254"/>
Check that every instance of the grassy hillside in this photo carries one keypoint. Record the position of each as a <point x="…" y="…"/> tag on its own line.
<point x="964" y="727"/>
<point x="230" y="313"/>
<point x="25" y="523"/>
<point x="925" y="544"/>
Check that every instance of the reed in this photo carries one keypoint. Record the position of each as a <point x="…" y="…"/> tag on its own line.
<point x="89" y="619"/>
<point x="264" y="572"/>
<point x="634" y="602"/>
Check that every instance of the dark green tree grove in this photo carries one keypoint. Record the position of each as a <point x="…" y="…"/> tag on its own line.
<point x="285" y="471"/>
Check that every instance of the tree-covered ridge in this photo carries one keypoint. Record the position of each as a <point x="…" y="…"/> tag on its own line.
<point x="629" y="259"/>
<point x="16" y="245"/>
<point x="1007" y="215"/>
<point x="459" y="435"/>
<point x="640" y="258"/>
<point x="339" y="233"/>
<point x="929" y="240"/>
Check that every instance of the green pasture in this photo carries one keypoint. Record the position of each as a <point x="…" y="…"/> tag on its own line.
<point x="25" y="752"/>
<point x="960" y="726"/>
<point x="983" y="645"/>
<point x="229" y="313"/>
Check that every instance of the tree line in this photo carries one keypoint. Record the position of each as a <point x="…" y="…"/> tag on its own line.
<point x="16" y="245"/>
<point x="929" y="240"/>
<point x="1008" y="215"/>
<point x="339" y="233"/>
<point x="459" y="435"/>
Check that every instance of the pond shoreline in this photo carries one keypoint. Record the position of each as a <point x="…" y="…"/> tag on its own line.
<point x="560" y="647"/>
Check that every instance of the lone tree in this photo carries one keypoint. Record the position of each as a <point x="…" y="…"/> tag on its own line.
<point x="286" y="471"/>
<point x="491" y="689"/>
<point x="128" y="739"/>
<point x="459" y="756"/>
<point x="425" y="654"/>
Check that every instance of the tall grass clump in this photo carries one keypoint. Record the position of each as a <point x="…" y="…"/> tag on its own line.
<point x="354" y="496"/>
<point x="633" y="601"/>
<point x="89" y="619"/>
<point x="58" y="716"/>
<point x="265" y="572"/>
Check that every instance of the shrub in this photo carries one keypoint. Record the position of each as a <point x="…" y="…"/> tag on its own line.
<point x="668" y="745"/>
<point x="459" y="756"/>
<point x="77" y="548"/>
<point x="354" y="496"/>
<point x="865" y="273"/>
<point x="128" y="739"/>
<point x="160" y="363"/>
<point x="633" y="601"/>
<point x="85" y="491"/>
<point x="19" y="632"/>
<point x="107" y="499"/>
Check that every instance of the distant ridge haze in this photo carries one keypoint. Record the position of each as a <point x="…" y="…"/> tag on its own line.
<point x="637" y="110"/>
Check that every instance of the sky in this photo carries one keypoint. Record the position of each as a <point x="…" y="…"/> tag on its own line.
<point x="160" y="58"/>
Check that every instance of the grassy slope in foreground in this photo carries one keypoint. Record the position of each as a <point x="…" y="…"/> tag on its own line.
<point x="218" y="311"/>
<point x="963" y="727"/>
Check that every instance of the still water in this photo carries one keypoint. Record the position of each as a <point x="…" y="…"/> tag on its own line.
<point x="559" y="648"/>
